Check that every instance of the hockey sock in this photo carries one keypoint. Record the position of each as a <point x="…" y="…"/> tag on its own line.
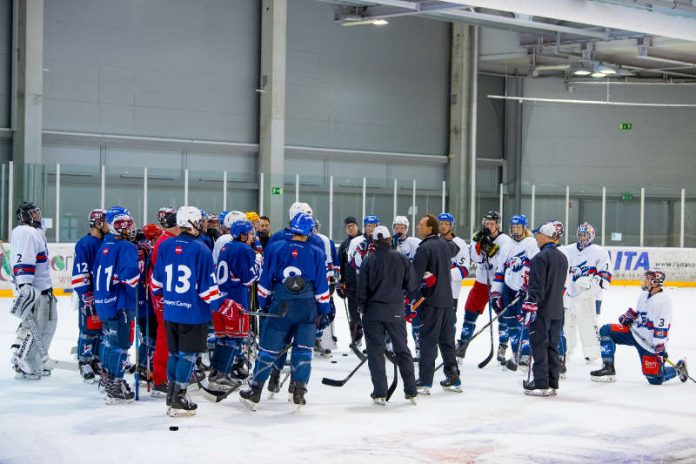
<point x="606" y="344"/>
<point x="301" y="360"/>
<point x="222" y="355"/>
<point x="416" y="325"/>
<point x="183" y="368"/>
<point x="87" y="346"/>
<point x="562" y="346"/>
<point x="114" y="361"/>
<point x="503" y="330"/>
<point x="469" y="325"/>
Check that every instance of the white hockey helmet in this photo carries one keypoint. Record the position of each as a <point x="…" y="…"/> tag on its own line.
<point x="401" y="220"/>
<point x="232" y="217"/>
<point x="189" y="217"/>
<point x="299" y="207"/>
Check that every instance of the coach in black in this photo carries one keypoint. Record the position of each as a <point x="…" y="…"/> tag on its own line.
<point x="437" y="313"/>
<point x="543" y="309"/>
<point x="383" y="278"/>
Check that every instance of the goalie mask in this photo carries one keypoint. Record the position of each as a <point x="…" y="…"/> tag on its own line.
<point x="30" y="214"/>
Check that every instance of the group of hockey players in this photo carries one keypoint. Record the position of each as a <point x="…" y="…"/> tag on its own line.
<point x="195" y="283"/>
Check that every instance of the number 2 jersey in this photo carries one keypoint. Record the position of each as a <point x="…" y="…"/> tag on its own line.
<point x="184" y="275"/>
<point x="115" y="276"/>
<point x="30" y="257"/>
<point x="654" y="319"/>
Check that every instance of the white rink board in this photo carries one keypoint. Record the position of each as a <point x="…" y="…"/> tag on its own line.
<point x="62" y="420"/>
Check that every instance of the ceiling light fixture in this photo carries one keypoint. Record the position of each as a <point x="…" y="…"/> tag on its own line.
<point x="598" y="74"/>
<point x="582" y="72"/>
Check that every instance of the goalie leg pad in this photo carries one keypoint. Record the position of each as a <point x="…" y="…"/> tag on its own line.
<point x="23" y="352"/>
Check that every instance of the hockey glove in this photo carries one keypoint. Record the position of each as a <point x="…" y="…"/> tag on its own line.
<point x="332" y="286"/>
<point x="529" y="313"/>
<point x="88" y="303"/>
<point x="661" y="350"/>
<point x="323" y="321"/>
<point x="496" y="302"/>
<point x="342" y="290"/>
<point x="409" y="313"/>
<point x="628" y="318"/>
<point x="478" y="236"/>
<point x="489" y="247"/>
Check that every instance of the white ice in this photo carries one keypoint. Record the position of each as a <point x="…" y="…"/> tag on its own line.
<point x="60" y="419"/>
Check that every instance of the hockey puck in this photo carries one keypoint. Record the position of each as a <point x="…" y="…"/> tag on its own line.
<point x="345" y="354"/>
<point x="333" y="361"/>
<point x="173" y="428"/>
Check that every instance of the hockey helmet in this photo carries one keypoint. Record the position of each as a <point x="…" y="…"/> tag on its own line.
<point x="120" y="222"/>
<point x="232" y="217"/>
<point x="403" y="220"/>
<point x="299" y="207"/>
<point x="371" y="219"/>
<point x="241" y="227"/>
<point x="96" y="218"/>
<point x="30" y="214"/>
<point x="656" y="278"/>
<point x="189" y="217"/>
<point x="162" y="214"/>
<point x="151" y="231"/>
<point x="446" y="217"/>
<point x="586" y="235"/>
<point x="302" y="224"/>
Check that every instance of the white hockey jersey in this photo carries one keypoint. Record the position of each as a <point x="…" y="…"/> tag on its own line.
<point x="357" y="250"/>
<point x="30" y="264"/>
<point x="408" y="247"/>
<point x="219" y="243"/>
<point x="486" y="267"/>
<point x="654" y="319"/>
<point x="589" y="262"/>
<point x="330" y="250"/>
<point x="459" y="267"/>
<point x="513" y="271"/>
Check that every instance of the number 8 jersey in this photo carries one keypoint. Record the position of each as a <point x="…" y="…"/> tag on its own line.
<point x="185" y="277"/>
<point x="116" y="275"/>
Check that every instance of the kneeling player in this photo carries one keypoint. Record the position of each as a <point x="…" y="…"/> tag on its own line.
<point x="185" y="277"/>
<point x="646" y="328"/>
<point x="294" y="274"/>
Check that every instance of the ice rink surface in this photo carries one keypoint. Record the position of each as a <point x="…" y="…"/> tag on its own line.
<point x="60" y="419"/>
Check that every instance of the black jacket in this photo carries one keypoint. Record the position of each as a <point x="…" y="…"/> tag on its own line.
<point x="348" y="274"/>
<point x="434" y="254"/>
<point x="383" y="278"/>
<point x="547" y="277"/>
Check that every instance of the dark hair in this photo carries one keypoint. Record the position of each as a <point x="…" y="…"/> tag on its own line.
<point x="432" y="223"/>
<point x="265" y="218"/>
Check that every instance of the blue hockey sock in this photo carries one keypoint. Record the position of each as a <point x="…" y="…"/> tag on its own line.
<point x="469" y="325"/>
<point x="184" y="368"/>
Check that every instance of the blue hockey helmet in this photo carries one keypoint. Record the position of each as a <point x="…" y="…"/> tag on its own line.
<point x="370" y="219"/>
<point x="519" y="220"/>
<point x="302" y="224"/>
<point x="221" y="216"/>
<point x="241" y="227"/>
<point x="446" y="217"/>
<point x="120" y="221"/>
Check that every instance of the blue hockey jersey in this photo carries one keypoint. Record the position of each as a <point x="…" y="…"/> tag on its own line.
<point x="287" y="258"/>
<point x="85" y="251"/>
<point x="237" y="269"/>
<point x="115" y="276"/>
<point x="184" y="275"/>
<point x="287" y="234"/>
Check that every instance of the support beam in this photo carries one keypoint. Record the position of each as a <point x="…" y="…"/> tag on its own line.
<point x="596" y="14"/>
<point x="461" y="79"/>
<point x="272" y="107"/>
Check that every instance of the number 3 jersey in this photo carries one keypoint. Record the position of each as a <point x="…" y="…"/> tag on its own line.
<point x="30" y="257"/>
<point x="184" y="275"/>
<point x="115" y="276"/>
<point x="654" y="319"/>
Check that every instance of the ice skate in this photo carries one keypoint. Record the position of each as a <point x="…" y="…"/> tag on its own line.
<point x="251" y="396"/>
<point x="682" y="370"/>
<point x="87" y="373"/>
<point x="502" y="349"/>
<point x="181" y="405"/>
<point x="298" y="396"/>
<point x="605" y="374"/>
<point x="117" y="391"/>
<point x="452" y="383"/>
<point x="530" y="389"/>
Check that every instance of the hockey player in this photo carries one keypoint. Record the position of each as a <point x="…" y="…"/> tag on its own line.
<point x="145" y="316"/>
<point x="203" y="235"/>
<point x="230" y="218"/>
<point x="647" y="329"/>
<point x="236" y="271"/>
<point x="489" y="250"/>
<point x="253" y="217"/>
<point x="588" y="275"/>
<point x="35" y="304"/>
<point x="116" y="276"/>
<point x="161" y="354"/>
<point x="510" y="284"/>
<point x="325" y="341"/>
<point x="348" y="284"/>
<point x="89" y="324"/>
<point x="293" y="281"/>
<point x="162" y="214"/>
<point x="184" y="275"/>
<point x="361" y="245"/>
<point x="407" y="246"/>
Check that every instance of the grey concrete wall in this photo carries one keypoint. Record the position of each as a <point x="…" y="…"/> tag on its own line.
<point x="5" y="61"/>
<point x="583" y="145"/>
<point x="366" y="87"/>
<point x="173" y="68"/>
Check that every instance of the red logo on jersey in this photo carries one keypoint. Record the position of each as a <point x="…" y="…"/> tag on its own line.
<point x="106" y="251"/>
<point x="294" y="253"/>
<point x="178" y="250"/>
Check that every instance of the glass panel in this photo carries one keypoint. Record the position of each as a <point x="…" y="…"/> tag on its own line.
<point x="205" y="190"/>
<point x="165" y="188"/>
<point x="662" y="217"/>
<point x="690" y="219"/>
<point x="124" y="187"/>
<point x="623" y="216"/>
<point x="80" y="192"/>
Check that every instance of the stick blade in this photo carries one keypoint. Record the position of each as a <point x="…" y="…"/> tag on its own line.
<point x="332" y="382"/>
<point x="485" y="362"/>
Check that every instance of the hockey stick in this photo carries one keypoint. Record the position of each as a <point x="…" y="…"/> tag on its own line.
<point x="652" y="347"/>
<point x="353" y="333"/>
<point x="340" y="383"/>
<point x="482" y="329"/>
<point x="395" y="382"/>
<point x="485" y="362"/>
<point x="283" y="311"/>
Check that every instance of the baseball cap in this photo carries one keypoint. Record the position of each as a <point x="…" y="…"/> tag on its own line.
<point x="553" y="229"/>
<point x="380" y="233"/>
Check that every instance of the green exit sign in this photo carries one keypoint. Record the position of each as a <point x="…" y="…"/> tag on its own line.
<point x="626" y="126"/>
<point x="276" y="190"/>
<point x="627" y="196"/>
